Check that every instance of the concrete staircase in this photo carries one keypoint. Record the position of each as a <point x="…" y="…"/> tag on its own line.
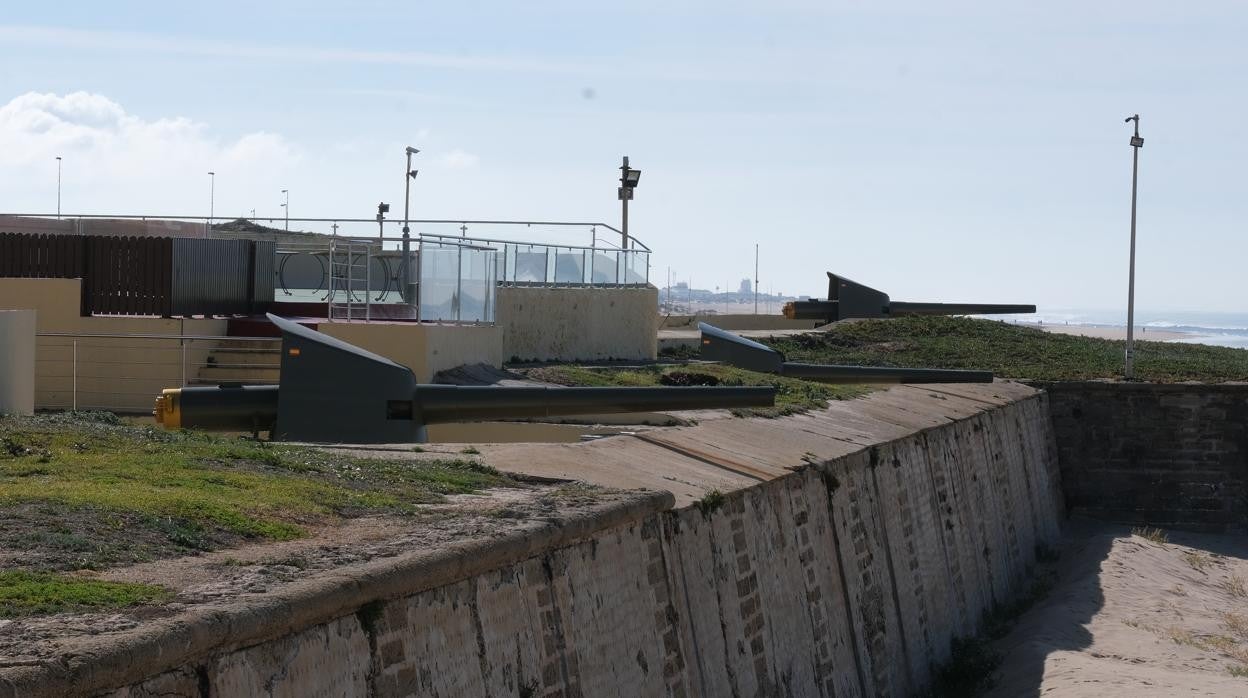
<point x="239" y="361"/>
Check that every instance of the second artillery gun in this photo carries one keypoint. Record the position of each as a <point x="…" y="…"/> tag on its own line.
<point x="335" y="392"/>
<point x="850" y="299"/>
<point x="734" y="350"/>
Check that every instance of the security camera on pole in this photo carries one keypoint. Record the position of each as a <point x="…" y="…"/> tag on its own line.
<point x="408" y="291"/>
<point x="628" y="182"/>
<point x="1136" y="144"/>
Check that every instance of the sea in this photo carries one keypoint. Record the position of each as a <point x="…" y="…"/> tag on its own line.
<point x="1215" y="328"/>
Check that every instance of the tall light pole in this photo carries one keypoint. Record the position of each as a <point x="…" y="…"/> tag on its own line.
<point x="58" y="187"/>
<point x="1136" y="144"/>
<point x="628" y="182"/>
<point x="408" y="175"/>
<point x="286" y="205"/>
<point x="212" y="197"/>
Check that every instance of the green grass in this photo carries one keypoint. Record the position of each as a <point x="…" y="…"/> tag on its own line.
<point x="30" y="593"/>
<point x="1008" y="350"/>
<point x="76" y="492"/>
<point x="1156" y="535"/>
<point x="792" y="395"/>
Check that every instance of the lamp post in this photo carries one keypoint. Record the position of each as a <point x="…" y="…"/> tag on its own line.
<point x="628" y="182"/>
<point x="408" y="175"/>
<point x="382" y="209"/>
<point x="1136" y="144"/>
<point x="58" y="187"/>
<point x="212" y="197"/>
<point x="286" y="205"/>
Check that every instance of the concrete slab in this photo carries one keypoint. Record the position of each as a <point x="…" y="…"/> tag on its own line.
<point x="732" y="454"/>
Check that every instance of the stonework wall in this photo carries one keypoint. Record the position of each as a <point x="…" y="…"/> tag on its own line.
<point x="844" y="578"/>
<point x="1174" y="456"/>
<point x="578" y="324"/>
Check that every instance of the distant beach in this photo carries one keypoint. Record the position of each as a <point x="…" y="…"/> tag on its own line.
<point x="1106" y="332"/>
<point x="1221" y="329"/>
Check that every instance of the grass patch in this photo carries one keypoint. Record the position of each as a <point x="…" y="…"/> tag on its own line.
<point x="1240" y="671"/>
<point x="792" y="395"/>
<point x="32" y="593"/>
<point x="1196" y="561"/>
<point x="970" y="670"/>
<point x="80" y="492"/>
<point x="1156" y="535"/>
<point x="711" y="502"/>
<point x="1007" y="350"/>
<point x="1234" y="585"/>
<point x="1237" y="623"/>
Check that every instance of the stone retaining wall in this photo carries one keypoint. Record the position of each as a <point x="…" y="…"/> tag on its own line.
<point x="1174" y="456"/>
<point x="848" y="577"/>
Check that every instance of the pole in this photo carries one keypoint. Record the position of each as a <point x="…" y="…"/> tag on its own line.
<point x="58" y="187"/>
<point x="1136" y="144"/>
<point x="624" y="194"/>
<point x="286" y="205"/>
<point x="405" y="268"/>
<point x="212" y="198"/>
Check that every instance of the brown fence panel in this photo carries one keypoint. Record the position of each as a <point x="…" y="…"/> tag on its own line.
<point x="148" y="275"/>
<point x="127" y="276"/>
<point x="41" y="256"/>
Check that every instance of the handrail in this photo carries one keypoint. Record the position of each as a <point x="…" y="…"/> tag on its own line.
<point x="282" y="219"/>
<point x="521" y="242"/>
<point x="86" y="335"/>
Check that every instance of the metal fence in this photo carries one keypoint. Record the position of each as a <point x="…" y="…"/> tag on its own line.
<point x="148" y="275"/>
<point x="539" y="264"/>
<point x="125" y="372"/>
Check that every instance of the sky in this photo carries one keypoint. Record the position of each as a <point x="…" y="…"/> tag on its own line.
<point x="952" y="151"/>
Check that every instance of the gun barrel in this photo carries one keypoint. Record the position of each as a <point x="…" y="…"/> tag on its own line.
<point x="218" y="408"/>
<point x="881" y="374"/>
<point x="909" y="308"/>
<point x="452" y="403"/>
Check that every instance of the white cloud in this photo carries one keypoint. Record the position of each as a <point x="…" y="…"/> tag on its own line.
<point x="460" y="160"/>
<point x="118" y="162"/>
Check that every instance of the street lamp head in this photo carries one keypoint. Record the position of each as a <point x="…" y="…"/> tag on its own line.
<point x="58" y="157"/>
<point x="413" y="173"/>
<point x="212" y="174"/>
<point x="411" y="150"/>
<point x="631" y="178"/>
<point x="383" y="207"/>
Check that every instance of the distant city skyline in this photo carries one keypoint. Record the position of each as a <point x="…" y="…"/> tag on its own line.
<point x="950" y="152"/>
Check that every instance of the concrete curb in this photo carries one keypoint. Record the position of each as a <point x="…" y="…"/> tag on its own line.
<point x="128" y="657"/>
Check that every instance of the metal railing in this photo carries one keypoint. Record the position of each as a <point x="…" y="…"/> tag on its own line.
<point x="324" y="225"/>
<point x="541" y="264"/>
<point x="125" y="372"/>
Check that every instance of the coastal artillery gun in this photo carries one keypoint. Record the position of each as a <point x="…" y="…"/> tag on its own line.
<point x="850" y="299"/>
<point x="335" y="392"/>
<point x="734" y="350"/>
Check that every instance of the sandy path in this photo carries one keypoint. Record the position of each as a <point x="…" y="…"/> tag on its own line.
<point x="1133" y="617"/>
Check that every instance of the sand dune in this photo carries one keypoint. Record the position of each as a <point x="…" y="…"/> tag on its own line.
<point x="1133" y="617"/>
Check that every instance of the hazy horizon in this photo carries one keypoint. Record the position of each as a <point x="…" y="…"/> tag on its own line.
<point x="952" y="152"/>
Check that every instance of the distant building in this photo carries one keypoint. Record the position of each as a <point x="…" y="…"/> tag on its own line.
<point x="745" y="286"/>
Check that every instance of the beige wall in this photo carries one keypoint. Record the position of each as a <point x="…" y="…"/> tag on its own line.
<point x="119" y="374"/>
<point x="424" y="348"/>
<point x="573" y="324"/>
